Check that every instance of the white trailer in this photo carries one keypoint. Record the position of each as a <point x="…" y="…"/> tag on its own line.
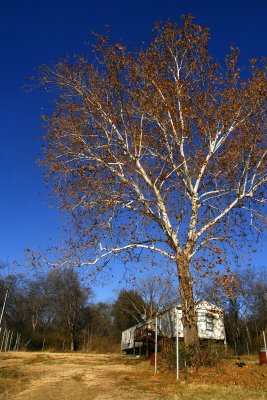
<point x="210" y="323"/>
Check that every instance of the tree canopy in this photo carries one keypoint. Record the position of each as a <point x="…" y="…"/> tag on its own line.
<point x="160" y="149"/>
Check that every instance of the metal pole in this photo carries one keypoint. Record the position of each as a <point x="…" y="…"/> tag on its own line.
<point x="156" y="343"/>
<point x="225" y="341"/>
<point x="3" y="340"/>
<point x="264" y="339"/>
<point x="7" y="339"/>
<point x="225" y="346"/>
<point x="177" y="346"/>
<point x="3" y="309"/>
<point x="17" y="347"/>
<point x="10" y="341"/>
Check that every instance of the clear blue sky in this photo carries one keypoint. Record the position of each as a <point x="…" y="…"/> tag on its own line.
<point x="34" y="33"/>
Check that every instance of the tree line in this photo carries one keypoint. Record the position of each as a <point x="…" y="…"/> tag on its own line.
<point x="245" y="308"/>
<point x="56" y="310"/>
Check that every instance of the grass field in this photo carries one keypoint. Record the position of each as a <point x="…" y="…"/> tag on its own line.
<point x="63" y="376"/>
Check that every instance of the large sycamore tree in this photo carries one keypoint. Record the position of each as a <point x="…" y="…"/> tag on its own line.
<point x="160" y="149"/>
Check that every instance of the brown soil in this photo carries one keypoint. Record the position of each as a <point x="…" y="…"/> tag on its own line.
<point x="44" y="376"/>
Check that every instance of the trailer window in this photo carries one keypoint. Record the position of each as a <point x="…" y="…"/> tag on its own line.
<point x="201" y="317"/>
<point x="209" y="323"/>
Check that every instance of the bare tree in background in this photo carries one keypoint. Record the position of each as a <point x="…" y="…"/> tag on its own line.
<point x="244" y="300"/>
<point x="159" y="150"/>
<point x="68" y="298"/>
<point x="37" y="300"/>
<point x="158" y="294"/>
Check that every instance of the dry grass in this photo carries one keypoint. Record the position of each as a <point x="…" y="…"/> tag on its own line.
<point x="12" y="379"/>
<point x="44" y="376"/>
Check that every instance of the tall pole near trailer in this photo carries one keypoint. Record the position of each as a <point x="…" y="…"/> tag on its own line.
<point x="156" y="342"/>
<point x="177" y="345"/>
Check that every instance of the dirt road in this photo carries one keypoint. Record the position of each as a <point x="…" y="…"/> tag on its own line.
<point x="71" y="376"/>
<point x="51" y="376"/>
